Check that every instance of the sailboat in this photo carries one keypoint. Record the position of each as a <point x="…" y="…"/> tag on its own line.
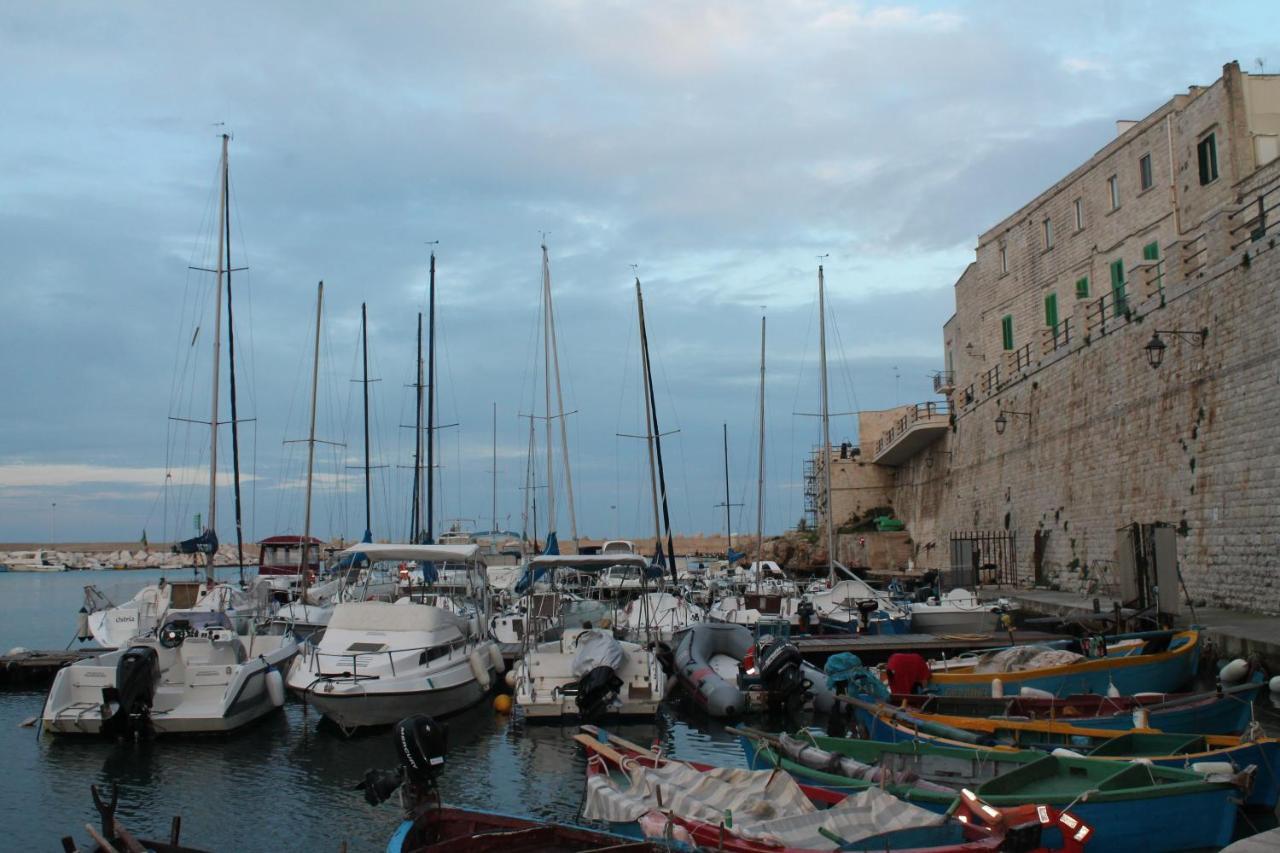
<point x="179" y="670"/>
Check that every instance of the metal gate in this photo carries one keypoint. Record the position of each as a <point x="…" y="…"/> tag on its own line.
<point x="984" y="557"/>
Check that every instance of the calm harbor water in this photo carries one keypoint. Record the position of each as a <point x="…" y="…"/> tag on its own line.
<point x="286" y="782"/>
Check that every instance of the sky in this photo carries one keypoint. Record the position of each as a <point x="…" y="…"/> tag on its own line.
<point x="716" y="150"/>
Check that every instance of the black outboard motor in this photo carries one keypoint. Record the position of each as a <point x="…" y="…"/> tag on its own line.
<point x="421" y="744"/>
<point x="780" y="664"/>
<point x="127" y="705"/>
<point x="596" y="690"/>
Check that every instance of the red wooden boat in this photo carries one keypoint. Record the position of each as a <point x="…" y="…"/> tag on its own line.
<point x="973" y="826"/>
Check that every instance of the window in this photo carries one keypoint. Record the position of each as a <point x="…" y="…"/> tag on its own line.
<point x="1113" y="187"/>
<point x="1079" y="205"/>
<point x="1004" y="260"/>
<point x="1144" y="171"/>
<point x="1082" y="287"/>
<point x="1051" y="311"/>
<point x="1207" y="153"/>
<point x="1117" y="287"/>
<point x="1151" y="252"/>
<point x="1006" y="331"/>
<point x="1048" y="233"/>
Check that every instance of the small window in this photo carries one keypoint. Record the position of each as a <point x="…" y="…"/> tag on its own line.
<point x="1051" y="310"/>
<point x="1207" y="153"/>
<point x="1004" y="260"/>
<point x="1048" y="233"/>
<point x="1151" y="252"/>
<point x="1079" y="206"/>
<point x="1082" y="287"/>
<point x="1006" y="331"/>
<point x="1113" y="187"/>
<point x="1144" y="171"/>
<point x="1118" y="297"/>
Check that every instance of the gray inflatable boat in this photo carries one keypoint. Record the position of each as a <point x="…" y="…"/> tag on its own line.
<point x="706" y="659"/>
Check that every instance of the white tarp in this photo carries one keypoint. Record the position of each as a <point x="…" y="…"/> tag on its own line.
<point x="1020" y="658"/>
<point x="767" y="806"/>
<point x="597" y="648"/>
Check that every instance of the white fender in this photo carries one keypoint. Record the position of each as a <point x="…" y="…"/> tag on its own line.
<point x="510" y="678"/>
<point x="997" y="688"/>
<point x="1275" y="684"/>
<point x="480" y="668"/>
<point x="1035" y="693"/>
<point x="1213" y="768"/>
<point x="275" y="687"/>
<point x="1063" y="752"/>
<point x="495" y="658"/>
<point x="1234" y="671"/>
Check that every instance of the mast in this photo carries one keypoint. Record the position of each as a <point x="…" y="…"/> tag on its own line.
<point x="494" y="529"/>
<point x="564" y="432"/>
<point x="826" y="428"/>
<point x="656" y="438"/>
<point x="311" y="445"/>
<point x="648" y="428"/>
<point x="546" y="373"/>
<point x="760" y="478"/>
<point x="415" y="524"/>
<point x="231" y="373"/>
<point x="431" y="405"/>
<point x="364" y="350"/>
<point x="211" y="524"/>
<point x="728" y="517"/>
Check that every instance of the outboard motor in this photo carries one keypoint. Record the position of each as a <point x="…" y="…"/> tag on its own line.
<point x="596" y="690"/>
<point x="421" y="744"/>
<point x="126" y="707"/>
<point x="780" y="664"/>
<point x="865" y="608"/>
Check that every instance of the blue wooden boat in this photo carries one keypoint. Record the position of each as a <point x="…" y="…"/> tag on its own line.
<point x="1163" y="749"/>
<point x="1152" y="662"/>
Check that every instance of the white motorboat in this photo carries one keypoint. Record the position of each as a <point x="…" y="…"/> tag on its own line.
<point x="853" y="604"/>
<point x="957" y="611"/>
<point x="768" y="604"/>
<point x="196" y="676"/>
<point x="586" y="672"/>
<point x="657" y="616"/>
<point x="33" y="561"/>
<point x="146" y="612"/>
<point x="379" y="662"/>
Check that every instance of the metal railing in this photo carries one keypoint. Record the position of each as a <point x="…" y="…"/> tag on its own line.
<point x="917" y="413"/>
<point x="1254" y="226"/>
<point x="1062" y="333"/>
<point x="1022" y="357"/>
<point x="991" y="380"/>
<point x="943" y="381"/>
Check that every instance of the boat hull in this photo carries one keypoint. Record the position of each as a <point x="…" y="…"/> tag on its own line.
<point x="358" y="708"/>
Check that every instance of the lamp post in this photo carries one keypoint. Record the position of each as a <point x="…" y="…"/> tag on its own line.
<point x="1156" y="347"/>
<point x="1002" y="421"/>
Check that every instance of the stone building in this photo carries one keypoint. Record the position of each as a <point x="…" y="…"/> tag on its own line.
<point x="1054" y="430"/>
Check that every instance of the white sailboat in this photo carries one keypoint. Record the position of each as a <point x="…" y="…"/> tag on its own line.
<point x="192" y="671"/>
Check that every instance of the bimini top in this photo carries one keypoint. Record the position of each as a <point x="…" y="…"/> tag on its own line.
<point x="376" y="551"/>
<point x="382" y="616"/>
<point x="587" y="562"/>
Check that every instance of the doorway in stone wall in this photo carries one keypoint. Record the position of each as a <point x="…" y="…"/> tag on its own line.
<point x="1038" y="546"/>
<point x="983" y="558"/>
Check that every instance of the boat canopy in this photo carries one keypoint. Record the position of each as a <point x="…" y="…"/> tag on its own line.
<point x="376" y="551"/>
<point x="381" y="616"/>
<point x="588" y="562"/>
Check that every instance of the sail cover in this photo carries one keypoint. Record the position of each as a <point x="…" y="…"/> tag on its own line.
<point x="205" y="543"/>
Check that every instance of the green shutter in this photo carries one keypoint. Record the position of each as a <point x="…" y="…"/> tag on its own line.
<point x="1082" y="287"/>
<point x="1117" y="286"/>
<point x="1151" y="252"/>
<point x="1051" y="310"/>
<point x="1006" y="331"/>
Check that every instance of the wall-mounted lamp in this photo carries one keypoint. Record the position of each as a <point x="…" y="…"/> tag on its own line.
<point x="1155" y="347"/>
<point x="1002" y="421"/>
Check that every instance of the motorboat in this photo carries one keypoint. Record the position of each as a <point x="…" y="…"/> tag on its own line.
<point x="33" y="561"/>
<point x="114" y="625"/>
<point x="379" y="662"/>
<point x="957" y="611"/>
<point x="657" y="616"/>
<point x="853" y="605"/>
<point x="283" y="563"/>
<point x="587" y="672"/>
<point x="196" y="675"/>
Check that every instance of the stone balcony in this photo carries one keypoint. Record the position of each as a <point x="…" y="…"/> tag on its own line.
<point x="920" y="426"/>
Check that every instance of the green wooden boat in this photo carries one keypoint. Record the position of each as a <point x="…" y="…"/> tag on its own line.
<point x="1131" y="806"/>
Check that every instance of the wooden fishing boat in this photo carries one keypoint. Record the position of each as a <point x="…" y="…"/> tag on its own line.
<point x="451" y="830"/>
<point x="1130" y="806"/>
<point x="701" y="806"/>
<point x="1165" y="749"/>
<point x="1225" y="711"/>
<point x="1152" y="662"/>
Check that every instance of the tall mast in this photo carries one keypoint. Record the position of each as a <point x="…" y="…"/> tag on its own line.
<point x="728" y="511"/>
<point x="431" y="405"/>
<point x="564" y="431"/>
<point x="648" y="427"/>
<point x="364" y="350"/>
<point x="546" y="373"/>
<point x="657" y="438"/>
<point x="231" y="373"/>
<point x="311" y="444"/>
<point x="760" y="478"/>
<point x="494" y="529"/>
<point x="826" y="428"/>
<point x="211" y="523"/>
<point x="415" y="525"/>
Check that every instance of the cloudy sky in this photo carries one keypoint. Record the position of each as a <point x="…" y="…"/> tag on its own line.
<point x="720" y="147"/>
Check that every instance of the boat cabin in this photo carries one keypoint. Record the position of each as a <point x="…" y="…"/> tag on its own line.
<point x="282" y="555"/>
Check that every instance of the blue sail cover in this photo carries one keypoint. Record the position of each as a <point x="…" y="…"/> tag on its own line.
<point x="553" y="544"/>
<point x="205" y="543"/>
<point x="735" y="556"/>
<point x="529" y="576"/>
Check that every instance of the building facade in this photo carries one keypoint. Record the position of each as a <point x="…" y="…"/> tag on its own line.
<point x="1053" y="430"/>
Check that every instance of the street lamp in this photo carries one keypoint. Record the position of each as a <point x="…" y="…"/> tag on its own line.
<point x="1156" y="347"/>
<point x="1002" y="421"/>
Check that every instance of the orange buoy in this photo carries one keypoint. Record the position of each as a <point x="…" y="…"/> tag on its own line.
<point x="502" y="703"/>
